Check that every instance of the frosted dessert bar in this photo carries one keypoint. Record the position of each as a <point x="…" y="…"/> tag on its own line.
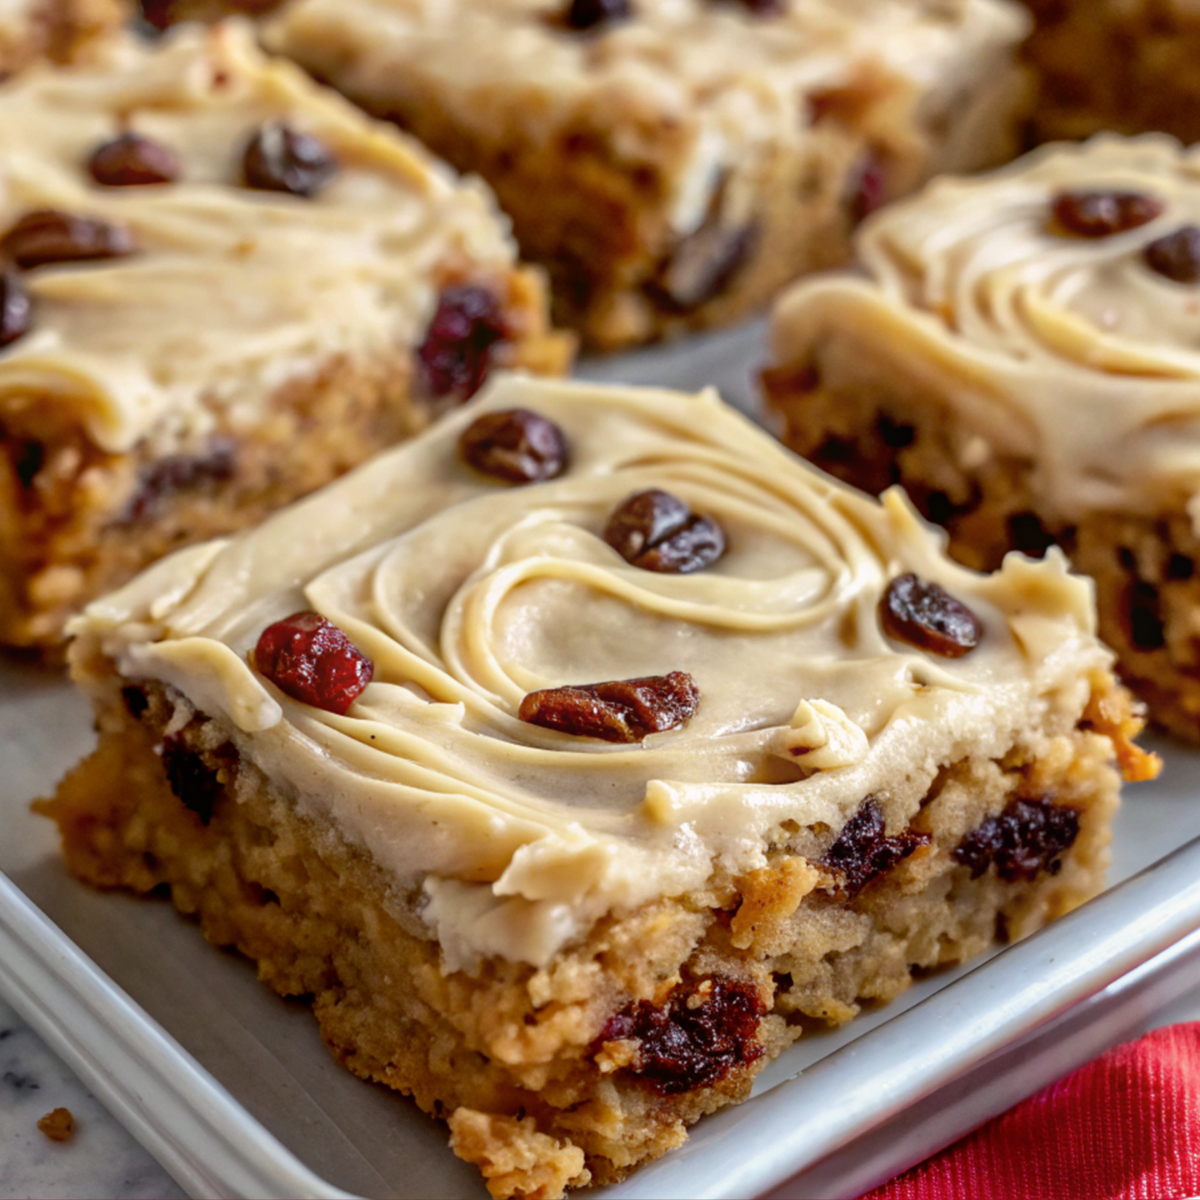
<point x="675" y="162"/>
<point x="575" y="754"/>
<point x="221" y="287"/>
<point x="1023" y="355"/>
<point x="59" y="30"/>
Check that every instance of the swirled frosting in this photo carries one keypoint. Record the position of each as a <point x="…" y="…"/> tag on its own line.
<point x="232" y="291"/>
<point x="1065" y="350"/>
<point x="467" y="594"/>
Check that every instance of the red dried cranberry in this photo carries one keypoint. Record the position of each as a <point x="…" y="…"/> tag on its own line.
<point x="588" y="14"/>
<point x="1176" y="256"/>
<point x="1027" y="838"/>
<point x="190" y="778"/>
<point x="515" y="445"/>
<point x="863" y="851"/>
<point x="48" y="236"/>
<point x="313" y="661"/>
<point x="683" y="1047"/>
<point x="131" y="160"/>
<point x="1101" y="214"/>
<point x="659" y="532"/>
<point x="279" y="158"/>
<point x="16" y="310"/>
<point x="456" y="353"/>
<point x="926" y="616"/>
<point x="625" y="710"/>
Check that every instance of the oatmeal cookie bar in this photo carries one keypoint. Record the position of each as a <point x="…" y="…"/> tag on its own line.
<point x="1023" y="355"/>
<point x="222" y="286"/>
<point x="56" y="29"/>
<point x="1124" y="65"/>
<point x="675" y="162"/>
<point x="574" y="754"/>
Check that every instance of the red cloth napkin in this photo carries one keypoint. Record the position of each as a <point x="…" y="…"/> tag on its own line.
<point x="1125" y="1127"/>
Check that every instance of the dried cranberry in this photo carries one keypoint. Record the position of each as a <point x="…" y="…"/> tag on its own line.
<point x="279" y="158"/>
<point x="1176" y="255"/>
<point x="588" y="14"/>
<point x="1027" y="838"/>
<point x="162" y="478"/>
<point x="659" y="532"/>
<point x="515" y="445"/>
<point x="313" y="661"/>
<point x="131" y="160"/>
<point x="625" y="710"/>
<point x="49" y="236"/>
<point x="926" y="616"/>
<point x="456" y="352"/>
<point x="863" y="851"/>
<point x="681" y="1047"/>
<point x="1100" y="214"/>
<point x="16" y="310"/>
<point x="190" y="778"/>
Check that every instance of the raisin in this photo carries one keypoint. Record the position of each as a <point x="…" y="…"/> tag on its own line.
<point x="131" y="160"/>
<point x="191" y="780"/>
<point x="589" y="14"/>
<point x="893" y="434"/>
<point x="863" y="851"/>
<point x="1027" y="838"/>
<point x="1143" y="615"/>
<point x="1180" y="566"/>
<point x="28" y="459"/>
<point x="704" y="264"/>
<point x="279" y="158"/>
<point x="1100" y="214"/>
<point x="16" y="310"/>
<point x="49" y="236"/>
<point x="515" y="445"/>
<point x="1027" y="534"/>
<point x="456" y="352"/>
<point x="625" y="710"/>
<point x="310" y="659"/>
<point x="682" y="1047"/>
<point x="926" y="616"/>
<point x="867" y="191"/>
<point x="659" y="532"/>
<point x="135" y="700"/>
<point x="160" y="480"/>
<point x="1176" y="256"/>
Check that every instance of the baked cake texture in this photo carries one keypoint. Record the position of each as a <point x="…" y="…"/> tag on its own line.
<point x="673" y="163"/>
<point x="1022" y="353"/>
<point x="575" y="754"/>
<point x="1123" y="65"/>
<point x="222" y="287"/>
<point x="59" y="30"/>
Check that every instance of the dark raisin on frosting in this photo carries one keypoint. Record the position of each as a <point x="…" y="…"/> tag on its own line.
<point x="925" y="615"/>
<point x="1176" y="255"/>
<point x="623" y="710"/>
<point x="1102" y="213"/>
<point x="46" y="236"/>
<point x="514" y="445"/>
<point x="279" y="158"/>
<point x="132" y="160"/>
<point x="659" y="532"/>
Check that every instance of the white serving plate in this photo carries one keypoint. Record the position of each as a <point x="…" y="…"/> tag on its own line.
<point x="232" y="1090"/>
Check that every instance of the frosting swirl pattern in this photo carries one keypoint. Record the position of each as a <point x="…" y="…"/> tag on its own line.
<point x="467" y="594"/>
<point x="1072" y="351"/>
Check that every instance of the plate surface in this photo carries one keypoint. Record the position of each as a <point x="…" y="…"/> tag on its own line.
<point x="233" y="1091"/>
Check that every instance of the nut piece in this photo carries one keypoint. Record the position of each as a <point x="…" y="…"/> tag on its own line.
<point x="659" y="532"/>
<point x="625" y="710"/>
<point x="131" y="160"/>
<point x="863" y="851"/>
<point x="48" y="236"/>
<point x="16" y="312"/>
<point x="280" y="159"/>
<point x="58" y="1124"/>
<point x="587" y="14"/>
<point x="313" y="661"/>
<point x="821" y="738"/>
<point x="1100" y="214"/>
<point x="1176" y="256"/>
<point x="457" y="351"/>
<point x="515" y="445"/>
<point x="926" y="616"/>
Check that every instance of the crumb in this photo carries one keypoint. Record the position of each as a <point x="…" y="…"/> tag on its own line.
<point x="58" y="1125"/>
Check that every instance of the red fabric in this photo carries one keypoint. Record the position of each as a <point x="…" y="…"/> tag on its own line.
<point x="1125" y="1127"/>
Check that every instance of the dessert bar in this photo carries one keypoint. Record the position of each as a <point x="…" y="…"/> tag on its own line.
<point x="222" y="286"/>
<point x="673" y="163"/>
<point x="576" y="754"/>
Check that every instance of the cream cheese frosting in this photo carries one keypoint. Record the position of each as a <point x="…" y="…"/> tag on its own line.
<point x="1068" y="351"/>
<point x="467" y="594"/>
<point x="736" y="82"/>
<point x="232" y="291"/>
